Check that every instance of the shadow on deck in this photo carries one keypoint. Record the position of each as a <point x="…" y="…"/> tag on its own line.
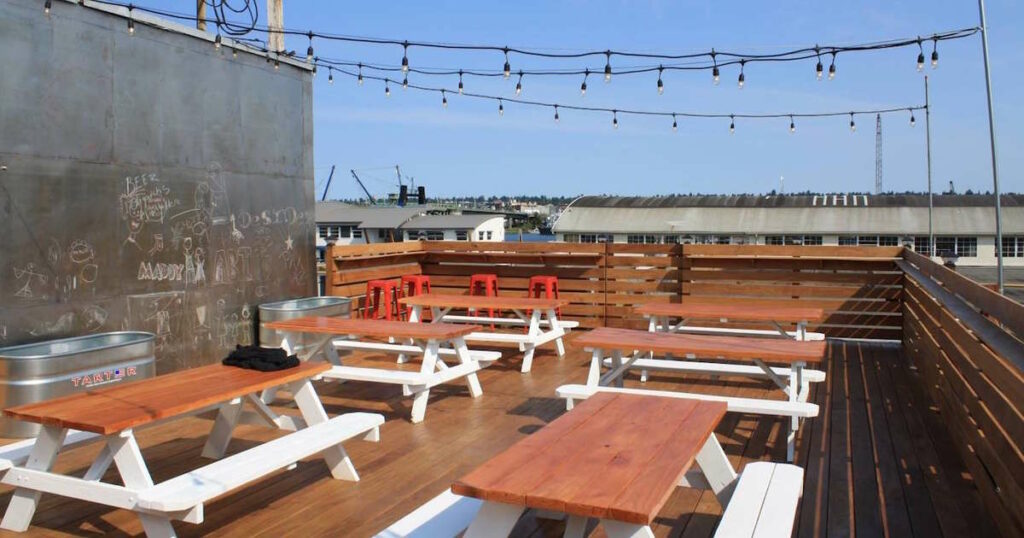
<point x="878" y="459"/>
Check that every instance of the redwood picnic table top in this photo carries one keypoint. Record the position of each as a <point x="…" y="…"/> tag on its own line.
<point x="733" y="312"/>
<point x="440" y="300"/>
<point x="615" y="456"/>
<point x="374" y="327"/>
<point x="711" y="346"/>
<point x="114" y="408"/>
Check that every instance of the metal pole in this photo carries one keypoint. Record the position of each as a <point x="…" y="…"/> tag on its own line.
<point x="928" y="145"/>
<point x="992" y="142"/>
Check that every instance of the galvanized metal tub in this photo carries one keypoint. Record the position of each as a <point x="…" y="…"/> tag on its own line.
<point x="45" y="370"/>
<point x="299" y="308"/>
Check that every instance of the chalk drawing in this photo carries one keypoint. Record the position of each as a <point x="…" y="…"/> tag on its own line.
<point x="95" y="317"/>
<point x="81" y="251"/>
<point x="289" y="243"/>
<point x="27" y="275"/>
<point x="160" y="271"/>
<point x="158" y="244"/>
<point x="235" y="234"/>
<point x="158" y="313"/>
<point x="61" y="326"/>
<point x="145" y="200"/>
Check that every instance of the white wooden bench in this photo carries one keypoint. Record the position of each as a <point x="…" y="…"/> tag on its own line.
<point x="693" y="329"/>
<point x="190" y="491"/>
<point x="764" y="502"/>
<point x="755" y="406"/>
<point x="446" y="515"/>
<point x="714" y="368"/>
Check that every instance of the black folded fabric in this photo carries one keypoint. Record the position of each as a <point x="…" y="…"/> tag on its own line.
<point x="264" y="359"/>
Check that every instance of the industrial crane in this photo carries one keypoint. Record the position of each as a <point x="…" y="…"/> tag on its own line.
<point x="367" y="191"/>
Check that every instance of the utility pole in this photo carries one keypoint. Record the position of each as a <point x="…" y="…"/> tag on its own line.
<point x="201" y="14"/>
<point x="878" y="154"/>
<point x="275" y="25"/>
<point x="928" y="146"/>
<point x="992" y="142"/>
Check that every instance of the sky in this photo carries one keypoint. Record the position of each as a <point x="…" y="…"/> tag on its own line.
<point x="468" y="149"/>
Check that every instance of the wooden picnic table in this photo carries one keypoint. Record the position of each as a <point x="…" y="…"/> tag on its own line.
<point x="429" y="341"/>
<point x="114" y="412"/>
<point x="794" y="379"/>
<point x="660" y="315"/>
<point x="615" y="457"/>
<point x="538" y="315"/>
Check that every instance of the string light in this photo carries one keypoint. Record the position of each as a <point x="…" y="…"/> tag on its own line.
<point x="277" y="63"/>
<point x="405" y="57"/>
<point x="732" y="124"/>
<point x="330" y="75"/>
<point x="131" y="21"/>
<point x="935" y="52"/>
<point x="46" y="7"/>
<point x="387" y="89"/>
<point x="501" y="108"/>
<point x="913" y="121"/>
<point x="444" y="100"/>
<point x="309" y="51"/>
<point x="405" y="83"/>
<point x="853" y="126"/>
<point x="675" y="126"/>
<point x="217" y="39"/>
<point x="583" y="87"/>
<point x="460" y="83"/>
<point x="661" y="85"/>
<point x="608" y="67"/>
<point x="234" y="54"/>
<point x="507" y="71"/>
<point x="519" y="84"/>
<point x="359" y="80"/>
<point x="818" y="69"/>
<point x="792" y="125"/>
<point x="920" y="56"/>
<point x="742" y="79"/>
<point x="615" y="119"/>
<point x="832" y="68"/>
<point x="556" y="113"/>
<point x="714" y="71"/>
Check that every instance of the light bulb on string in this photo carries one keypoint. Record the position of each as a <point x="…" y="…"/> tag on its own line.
<point x="46" y="7"/>
<point x="131" y="21"/>
<point x="675" y="126"/>
<point x="330" y="75"/>
<point x="608" y="66"/>
<point x="853" y="126"/>
<point x="507" y="71"/>
<point x="714" y="69"/>
<point x="935" y="52"/>
<point x="405" y="57"/>
<point x="359" y="79"/>
<point x="460" y="82"/>
<point x="913" y="121"/>
<point x="234" y="54"/>
<point x="277" y="62"/>
<point x="832" y="68"/>
<point x="732" y="124"/>
<point x="501" y="108"/>
<point x="583" y="87"/>
<point x="615" y="119"/>
<point x="405" y="83"/>
<point x="444" y="100"/>
<point x="556" y="113"/>
<point x="742" y="78"/>
<point x="792" y="125"/>
<point x="920" y="56"/>
<point x="519" y="84"/>
<point x="661" y="85"/>
<point x="309" y="51"/>
<point x="818" y="69"/>
<point x="217" y="40"/>
<point x="387" y="89"/>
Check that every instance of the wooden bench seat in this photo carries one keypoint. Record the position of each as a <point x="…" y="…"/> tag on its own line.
<point x="767" y="333"/>
<point x="445" y="516"/>
<point x="516" y="322"/>
<point x="693" y="367"/>
<point x="408" y="349"/>
<point x="735" y="404"/>
<point x="764" y="503"/>
<point x="696" y="345"/>
<point x="201" y="485"/>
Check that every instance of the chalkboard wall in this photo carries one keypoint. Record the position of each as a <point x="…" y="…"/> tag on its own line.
<point x="147" y="182"/>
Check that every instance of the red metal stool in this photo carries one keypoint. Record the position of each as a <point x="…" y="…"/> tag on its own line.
<point x="546" y="284"/>
<point x="485" y="284"/>
<point x="378" y="291"/>
<point x="413" y="285"/>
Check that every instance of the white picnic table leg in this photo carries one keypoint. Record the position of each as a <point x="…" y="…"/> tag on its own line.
<point x="415" y="315"/>
<point x="493" y="520"/>
<point x="652" y="327"/>
<point x="223" y="425"/>
<point x="575" y="527"/>
<point x="801" y="330"/>
<point x="618" y="529"/>
<point x="717" y="470"/>
<point x="100" y="464"/>
<point x="135" y="475"/>
<point x="462" y="352"/>
<point x="313" y="413"/>
<point x="554" y="326"/>
<point x="419" y="399"/>
<point x="594" y="375"/>
<point x="24" y="501"/>
<point x="616" y="365"/>
<point x="796" y="383"/>
<point x="529" y="348"/>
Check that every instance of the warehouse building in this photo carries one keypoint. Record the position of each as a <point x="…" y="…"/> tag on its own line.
<point x="351" y="224"/>
<point x="964" y="224"/>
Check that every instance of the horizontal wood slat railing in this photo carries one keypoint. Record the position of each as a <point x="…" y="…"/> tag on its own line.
<point x="860" y="288"/>
<point x="972" y="364"/>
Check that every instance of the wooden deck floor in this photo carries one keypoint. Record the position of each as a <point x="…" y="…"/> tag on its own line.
<point x="878" y="460"/>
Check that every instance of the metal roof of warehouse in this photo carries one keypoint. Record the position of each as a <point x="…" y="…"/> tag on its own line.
<point x="448" y="222"/>
<point x="798" y="200"/>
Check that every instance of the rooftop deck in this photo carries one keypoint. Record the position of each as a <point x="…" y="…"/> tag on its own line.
<point x="879" y="460"/>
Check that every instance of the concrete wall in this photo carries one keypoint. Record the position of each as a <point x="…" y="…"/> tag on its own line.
<point x="152" y="183"/>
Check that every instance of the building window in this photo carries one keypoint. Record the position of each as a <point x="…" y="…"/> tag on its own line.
<point x="382" y="234"/>
<point x="323" y="231"/>
<point x="588" y="238"/>
<point x="427" y="235"/>
<point x="847" y="240"/>
<point x="921" y="245"/>
<point x="490" y="235"/>
<point x="571" y="238"/>
<point x="480" y="235"/>
<point x="812" y="240"/>
<point x="640" y="239"/>
<point x="964" y="247"/>
<point x="888" y="241"/>
<point x="344" y="231"/>
<point x="774" y="240"/>
<point x="1013" y="247"/>
<point x="461" y="235"/>
<point x="670" y="239"/>
<point x="867" y="240"/>
<point x="357" y="233"/>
